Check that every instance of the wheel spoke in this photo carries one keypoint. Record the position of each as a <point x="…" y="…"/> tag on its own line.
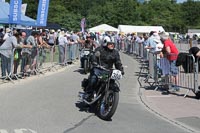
<point x="106" y="107"/>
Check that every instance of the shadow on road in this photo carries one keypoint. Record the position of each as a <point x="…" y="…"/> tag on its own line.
<point x="80" y="70"/>
<point x="165" y="91"/>
<point x="84" y="107"/>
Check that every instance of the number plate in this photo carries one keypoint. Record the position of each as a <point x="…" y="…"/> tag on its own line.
<point x="116" y="75"/>
<point x="86" y="52"/>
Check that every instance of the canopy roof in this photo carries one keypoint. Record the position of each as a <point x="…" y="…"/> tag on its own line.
<point x="139" y="29"/>
<point x="51" y="26"/>
<point x="103" y="28"/>
<point x="4" y="16"/>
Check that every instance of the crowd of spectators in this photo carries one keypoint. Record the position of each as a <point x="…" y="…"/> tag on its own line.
<point x="28" y="48"/>
<point x="28" y="45"/>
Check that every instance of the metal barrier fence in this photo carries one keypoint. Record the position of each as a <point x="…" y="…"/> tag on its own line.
<point x="45" y="59"/>
<point x="160" y="73"/>
<point x="158" y="69"/>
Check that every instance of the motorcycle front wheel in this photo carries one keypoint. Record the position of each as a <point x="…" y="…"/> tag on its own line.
<point x="105" y="110"/>
<point x="86" y="66"/>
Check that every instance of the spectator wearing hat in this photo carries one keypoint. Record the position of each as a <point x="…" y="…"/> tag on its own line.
<point x="6" y="51"/>
<point x="129" y="42"/>
<point x="153" y="41"/>
<point x="73" y="47"/>
<point x="122" y="42"/>
<point x="171" y="52"/>
<point x="62" y="45"/>
<point x="145" y="44"/>
<point x="51" y="38"/>
<point x="7" y="34"/>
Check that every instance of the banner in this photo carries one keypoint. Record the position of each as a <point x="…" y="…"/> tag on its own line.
<point x="83" y="25"/>
<point x="15" y="11"/>
<point x="23" y="9"/>
<point x="42" y="13"/>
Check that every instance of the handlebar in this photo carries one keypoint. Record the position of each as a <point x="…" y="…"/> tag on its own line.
<point x="102" y="67"/>
<point x="86" y="49"/>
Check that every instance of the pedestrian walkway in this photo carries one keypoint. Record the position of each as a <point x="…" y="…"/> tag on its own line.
<point x="174" y="107"/>
<point x="171" y="106"/>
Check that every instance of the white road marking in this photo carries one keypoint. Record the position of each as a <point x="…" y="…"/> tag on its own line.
<point x="22" y="130"/>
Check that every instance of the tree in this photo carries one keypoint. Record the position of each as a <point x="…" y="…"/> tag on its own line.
<point x="191" y="13"/>
<point x="169" y="14"/>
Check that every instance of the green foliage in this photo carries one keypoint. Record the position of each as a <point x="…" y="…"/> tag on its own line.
<point x="170" y="15"/>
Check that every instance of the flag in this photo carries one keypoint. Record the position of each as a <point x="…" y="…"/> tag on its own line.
<point x="15" y="11"/>
<point x="23" y="9"/>
<point x="42" y="12"/>
<point x="83" y="24"/>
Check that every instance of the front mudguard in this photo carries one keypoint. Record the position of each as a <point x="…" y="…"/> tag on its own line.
<point x="114" y="87"/>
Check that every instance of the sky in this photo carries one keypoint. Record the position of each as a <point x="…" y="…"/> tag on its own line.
<point x="181" y="1"/>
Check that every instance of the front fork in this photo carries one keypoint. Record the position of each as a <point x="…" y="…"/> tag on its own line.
<point x="107" y="92"/>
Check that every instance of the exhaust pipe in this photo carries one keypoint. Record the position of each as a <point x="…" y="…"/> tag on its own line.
<point x="90" y="103"/>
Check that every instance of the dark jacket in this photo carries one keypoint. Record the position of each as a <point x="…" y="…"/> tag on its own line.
<point x="187" y="62"/>
<point x="194" y="51"/>
<point x="108" y="58"/>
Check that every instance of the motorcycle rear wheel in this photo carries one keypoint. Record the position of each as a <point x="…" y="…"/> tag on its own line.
<point x="105" y="111"/>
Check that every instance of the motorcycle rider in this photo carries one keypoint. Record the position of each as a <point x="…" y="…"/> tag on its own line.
<point x="108" y="57"/>
<point x="88" y="44"/>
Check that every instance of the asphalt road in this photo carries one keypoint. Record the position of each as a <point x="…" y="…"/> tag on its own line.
<point x="49" y="104"/>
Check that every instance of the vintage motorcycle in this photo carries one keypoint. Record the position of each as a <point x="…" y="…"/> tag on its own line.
<point x="105" y="97"/>
<point x="85" y="60"/>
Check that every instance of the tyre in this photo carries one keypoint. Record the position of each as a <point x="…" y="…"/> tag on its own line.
<point x="105" y="111"/>
<point x="85" y="66"/>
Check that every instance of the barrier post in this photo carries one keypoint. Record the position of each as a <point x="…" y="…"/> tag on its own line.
<point x="196" y="68"/>
<point x="195" y="75"/>
<point x="55" y="54"/>
<point x="52" y="51"/>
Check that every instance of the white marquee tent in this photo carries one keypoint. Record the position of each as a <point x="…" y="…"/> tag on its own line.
<point x="103" y="28"/>
<point x="139" y="29"/>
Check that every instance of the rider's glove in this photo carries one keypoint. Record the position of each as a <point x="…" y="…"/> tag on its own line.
<point x="123" y="73"/>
